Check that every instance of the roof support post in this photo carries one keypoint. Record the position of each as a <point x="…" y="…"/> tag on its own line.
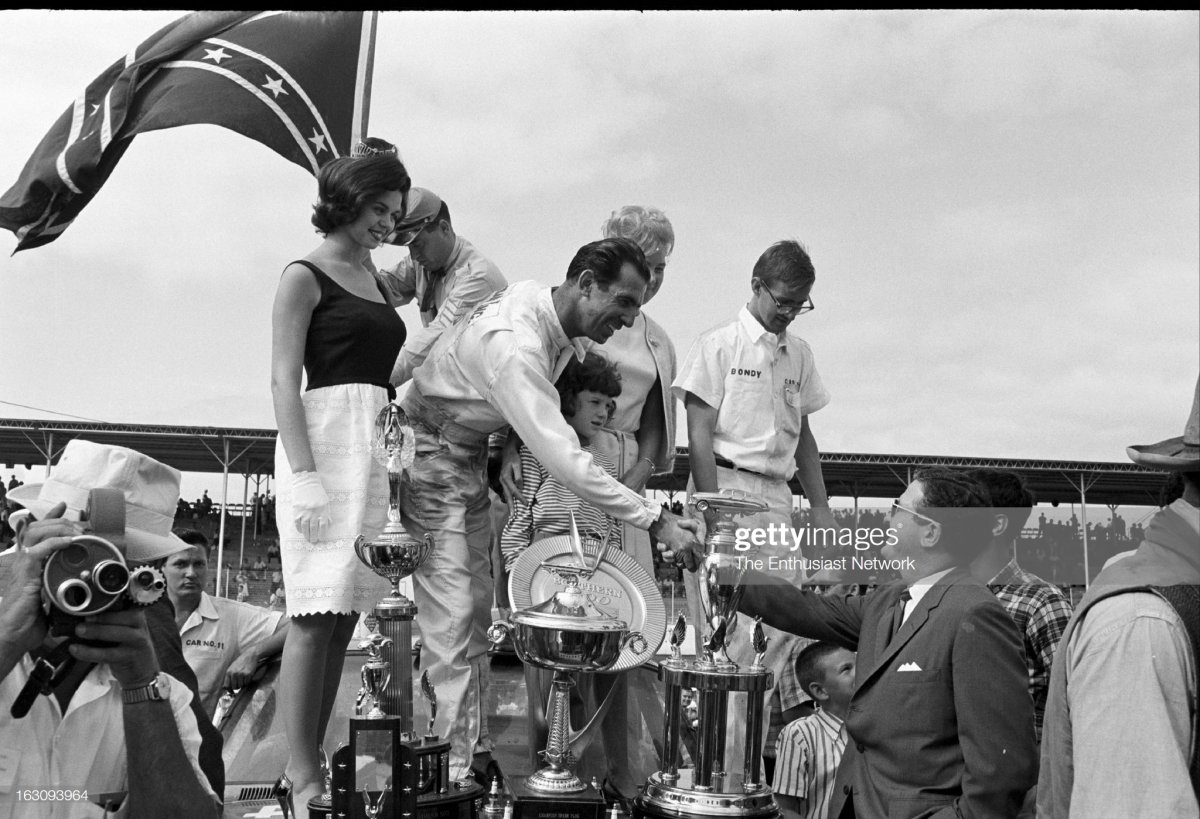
<point x="242" y="546"/>
<point x="224" y="513"/>
<point x="1085" y="482"/>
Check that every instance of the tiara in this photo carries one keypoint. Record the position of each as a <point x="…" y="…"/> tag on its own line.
<point x="363" y="149"/>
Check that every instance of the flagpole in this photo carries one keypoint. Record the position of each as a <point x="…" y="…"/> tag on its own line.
<point x="362" y="82"/>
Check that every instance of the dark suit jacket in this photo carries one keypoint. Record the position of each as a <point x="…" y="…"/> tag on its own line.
<point x="953" y="730"/>
<point x="164" y="634"/>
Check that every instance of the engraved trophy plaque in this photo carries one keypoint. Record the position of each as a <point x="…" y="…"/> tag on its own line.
<point x="708" y="788"/>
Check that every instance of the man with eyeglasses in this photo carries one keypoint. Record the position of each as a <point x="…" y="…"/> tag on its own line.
<point x="444" y="272"/>
<point x="749" y="386"/>
<point x="941" y="721"/>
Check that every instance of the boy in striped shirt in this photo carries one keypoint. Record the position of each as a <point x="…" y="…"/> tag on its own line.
<point x="809" y="749"/>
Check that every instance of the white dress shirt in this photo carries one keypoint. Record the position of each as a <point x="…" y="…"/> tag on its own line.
<point x="469" y="278"/>
<point x="762" y="384"/>
<point x="498" y="366"/>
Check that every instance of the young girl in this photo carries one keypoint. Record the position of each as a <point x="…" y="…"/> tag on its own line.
<point x="331" y="320"/>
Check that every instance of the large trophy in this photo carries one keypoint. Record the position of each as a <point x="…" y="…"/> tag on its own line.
<point x="387" y="771"/>
<point x="709" y="789"/>
<point x="572" y="630"/>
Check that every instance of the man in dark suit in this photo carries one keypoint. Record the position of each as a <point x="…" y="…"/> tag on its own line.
<point x="941" y="721"/>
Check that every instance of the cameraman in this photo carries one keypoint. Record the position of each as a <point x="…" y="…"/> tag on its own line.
<point x="116" y="732"/>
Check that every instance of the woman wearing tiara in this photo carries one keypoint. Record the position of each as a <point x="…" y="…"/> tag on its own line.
<point x="332" y="320"/>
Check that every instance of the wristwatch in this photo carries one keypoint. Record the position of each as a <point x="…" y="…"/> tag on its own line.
<point x="156" y="690"/>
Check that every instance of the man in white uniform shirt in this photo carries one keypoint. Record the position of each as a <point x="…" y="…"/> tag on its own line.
<point x="749" y="386"/>
<point x="496" y="368"/>
<point x="224" y="641"/>
<point x="443" y="272"/>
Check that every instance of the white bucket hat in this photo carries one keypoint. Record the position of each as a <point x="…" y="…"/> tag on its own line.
<point x="151" y="492"/>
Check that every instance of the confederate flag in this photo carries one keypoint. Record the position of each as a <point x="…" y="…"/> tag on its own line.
<point x="298" y="82"/>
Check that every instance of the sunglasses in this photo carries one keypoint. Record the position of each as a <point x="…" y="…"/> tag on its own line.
<point x="896" y="505"/>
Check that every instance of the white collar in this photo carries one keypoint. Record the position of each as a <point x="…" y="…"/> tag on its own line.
<point x="759" y="334"/>
<point x="205" y="610"/>
<point x="558" y="336"/>
<point x="918" y="589"/>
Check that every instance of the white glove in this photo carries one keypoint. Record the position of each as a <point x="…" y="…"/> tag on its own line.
<point x="310" y="506"/>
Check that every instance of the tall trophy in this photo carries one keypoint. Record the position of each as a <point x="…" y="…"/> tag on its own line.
<point x="709" y="789"/>
<point x="387" y="771"/>
<point x="566" y="633"/>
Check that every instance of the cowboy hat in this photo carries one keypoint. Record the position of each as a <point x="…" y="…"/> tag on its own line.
<point x="1178" y="454"/>
<point x="151" y="492"/>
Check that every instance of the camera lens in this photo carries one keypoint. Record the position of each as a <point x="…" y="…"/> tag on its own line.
<point x="110" y="577"/>
<point x="73" y="595"/>
<point x="74" y="555"/>
<point x="146" y="585"/>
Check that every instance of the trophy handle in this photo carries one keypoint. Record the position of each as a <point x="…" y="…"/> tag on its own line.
<point x="497" y="632"/>
<point x="636" y="642"/>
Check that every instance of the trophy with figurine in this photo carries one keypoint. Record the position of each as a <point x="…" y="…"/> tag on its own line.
<point x="387" y="771"/>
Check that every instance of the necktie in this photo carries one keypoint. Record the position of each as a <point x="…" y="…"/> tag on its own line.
<point x="428" y="299"/>
<point x="898" y="614"/>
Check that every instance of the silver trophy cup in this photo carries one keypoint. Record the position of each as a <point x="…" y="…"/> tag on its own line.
<point x="394" y="554"/>
<point x="566" y="634"/>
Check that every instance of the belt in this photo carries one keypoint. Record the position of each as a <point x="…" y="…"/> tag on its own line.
<point x="433" y="415"/>
<point x="728" y="464"/>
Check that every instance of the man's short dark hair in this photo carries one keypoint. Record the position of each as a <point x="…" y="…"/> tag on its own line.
<point x="808" y="663"/>
<point x="960" y="504"/>
<point x="1008" y="494"/>
<point x="605" y="258"/>
<point x="192" y="537"/>
<point x="443" y="214"/>
<point x="595" y="373"/>
<point x="785" y="262"/>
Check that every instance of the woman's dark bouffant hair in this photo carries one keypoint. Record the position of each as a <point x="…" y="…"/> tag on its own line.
<point x="595" y="373"/>
<point x="345" y="185"/>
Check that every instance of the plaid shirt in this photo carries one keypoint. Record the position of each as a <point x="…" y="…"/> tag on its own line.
<point x="1041" y="612"/>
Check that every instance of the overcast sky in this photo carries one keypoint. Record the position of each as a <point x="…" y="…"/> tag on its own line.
<point x="1003" y="208"/>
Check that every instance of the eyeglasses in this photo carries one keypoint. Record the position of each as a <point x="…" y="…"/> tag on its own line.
<point x="791" y="308"/>
<point x="897" y="505"/>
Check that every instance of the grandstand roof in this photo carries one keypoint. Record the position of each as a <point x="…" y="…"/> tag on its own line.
<point x="861" y="475"/>
<point x="252" y="451"/>
<point x="189" y="449"/>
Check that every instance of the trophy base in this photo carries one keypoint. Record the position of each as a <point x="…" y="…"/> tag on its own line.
<point x="531" y="803"/>
<point x="554" y="782"/>
<point x="667" y="800"/>
<point x="459" y="803"/>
